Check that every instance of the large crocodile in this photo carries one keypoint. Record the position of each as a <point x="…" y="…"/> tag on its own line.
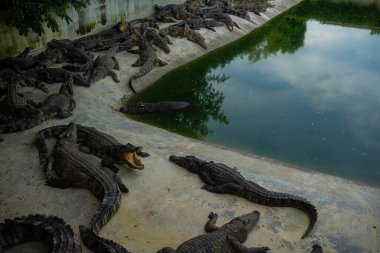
<point x="184" y="31"/>
<point x="98" y="143"/>
<point x="50" y="229"/>
<point x="67" y="167"/>
<point x="148" y="59"/>
<point x="220" y="178"/>
<point x="55" y="106"/>
<point x="225" y="239"/>
<point x="98" y="244"/>
<point x="154" y="107"/>
<point x="104" y="65"/>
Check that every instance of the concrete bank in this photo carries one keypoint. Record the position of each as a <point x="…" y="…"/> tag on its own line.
<point x="166" y="205"/>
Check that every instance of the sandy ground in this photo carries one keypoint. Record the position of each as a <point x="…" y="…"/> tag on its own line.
<point x="166" y="205"/>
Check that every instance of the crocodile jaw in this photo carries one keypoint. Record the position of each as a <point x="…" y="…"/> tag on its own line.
<point x="133" y="161"/>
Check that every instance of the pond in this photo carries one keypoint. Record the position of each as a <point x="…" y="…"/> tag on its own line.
<point x="303" y="89"/>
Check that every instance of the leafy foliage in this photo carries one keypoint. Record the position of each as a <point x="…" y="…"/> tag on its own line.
<point x="32" y="14"/>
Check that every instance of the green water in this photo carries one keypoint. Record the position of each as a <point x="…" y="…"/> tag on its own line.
<point x="298" y="89"/>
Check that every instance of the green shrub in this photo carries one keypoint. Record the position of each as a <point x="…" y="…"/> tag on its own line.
<point x="30" y="15"/>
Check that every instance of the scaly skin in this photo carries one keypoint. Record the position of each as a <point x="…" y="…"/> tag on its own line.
<point x="225" y="239"/>
<point x="180" y="32"/>
<point x="67" y="167"/>
<point x="55" y="106"/>
<point x="50" y="229"/>
<point x="198" y="23"/>
<point x="98" y="244"/>
<point x="104" y="65"/>
<point x="100" y="144"/>
<point x="57" y="75"/>
<point x="21" y="62"/>
<point x="148" y="59"/>
<point x="220" y="178"/>
<point x="154" y="107"/>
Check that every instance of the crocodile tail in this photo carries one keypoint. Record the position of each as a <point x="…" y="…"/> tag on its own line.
<point x="99" y="244"/>
<point x="40" y="140"/>
<point x="20" y="125"/>
<point x="108" y="207"/>
<point x="130" y="84"/>
<point x="312" y="213"/>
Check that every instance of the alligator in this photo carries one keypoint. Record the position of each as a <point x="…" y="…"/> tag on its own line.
<point x="98" y="143"/>
<point x="35" y="227"/>
<point x="317" y="248"/>
<point x="180" y="32"/>
<point x="103" y="66"/>
<point x="57" y="75"/>
<point x="55" y="106"/>
<point x="224" y="239"/>
<point x="68" y="167"/>
<point x="74" y="54"/>
<point x="148" y="59"/>
<point x="198" y="23"/>
<point x="220" y="178"/>
<point x="98" y="244"/>
<point x="154" y="107"/>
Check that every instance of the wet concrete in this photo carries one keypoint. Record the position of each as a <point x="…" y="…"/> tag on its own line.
<point x="166" y="205"/>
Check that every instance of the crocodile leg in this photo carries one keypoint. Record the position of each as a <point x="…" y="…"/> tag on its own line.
<point x="205" y="177"/>
<point x="52" y="179"/>
<point x="210" y="225"/>
<point x="117" y="179"/>
<point x="64" y="114"/>
<point x="161" y="63"/>
<point x="225" y="188"/>
<point x="117" y="65"/>
<point x="166" y="250"/>
<point x="114" y="76"/>
<point x="109" y="163"/>
<point x="240" y="248"/>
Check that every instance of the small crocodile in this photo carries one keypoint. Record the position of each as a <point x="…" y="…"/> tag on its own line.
<point x="184" y="31"/>
<point x="104" y="65"/>
<point x="98" y="244"/>
<point x="220" y="178"/>
<point x="200" y="23"/>
<point x="148" y="59"/>
<point x="67" y="167"/>
<point x="225" y="239"/>
<point x="317" y="248"/>
<point x="50" y="229"/>
<point x="154" y="107"/>
<point x="57" y="75"/>
<point x="55" y="106"/>
<point x="74" y="54"/>
<point x="98" y="143"/>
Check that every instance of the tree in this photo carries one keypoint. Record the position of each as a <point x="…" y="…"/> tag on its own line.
<point x="28" y="15"/>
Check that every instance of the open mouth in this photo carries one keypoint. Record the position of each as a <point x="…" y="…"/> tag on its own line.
<point x="230" y="27"/>
<point x="133" y="161"/>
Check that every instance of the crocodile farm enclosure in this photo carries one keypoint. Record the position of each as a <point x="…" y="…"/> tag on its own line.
<point x="245" y="126"/>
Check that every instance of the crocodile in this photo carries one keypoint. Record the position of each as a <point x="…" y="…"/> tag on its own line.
<point x="98" y="143"/>
<point x="57" y="75"/>
<point x="225" y="239"/>
<point x="166" y="13"/>
<point x="193" y="5"/>
<point x="137" y="22"/>
<point x="68" y="167"/>
<point x="158" y="39"/>
<point x="103" y="66"/>
<point x="317" y="248"/>
<point x="223" y="17"/>
<point x="198" y="23"/>
<point x="148" y="59"/>
<point x="184" y="31"/>
<point x="21" y="62"/>
<point x="55" y="106"/>
<point x="36" y="227"/>
<point x="50" y="56"/>
<point x="255" y="7"/>
<point x="220" y="178"/>
<point x="242" y="13"/>
<point x="74" y="54"/>
<point x="154" y="107"/>
<point x="98" y="244"/>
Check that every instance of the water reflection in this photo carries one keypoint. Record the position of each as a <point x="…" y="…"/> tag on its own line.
<point x="297" y="90"/>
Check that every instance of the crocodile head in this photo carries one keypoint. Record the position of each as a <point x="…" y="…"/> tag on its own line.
<point x="121" y="26"/>
<point x="244" y="224"/>
<point x="191" y="163"/>
<point x="128" y="155"/>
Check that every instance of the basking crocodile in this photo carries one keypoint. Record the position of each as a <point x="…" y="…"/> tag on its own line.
<point x="50" y="229"/>
<point x="184" y="31"/>
<point x="21" y="62"/>
<point x="98" y="244"/>
<point x="50" y="56"/>
<point x="55" y="106"/>
<point x="67" y="167"/>
<point x="154" y="107"/>
<point x="223" y="17"/>
<point x="200" y="23"/>
<point x="255" y="7"/>
<point x="166" y="13"/>
<point x="104" y="65"/>
<point x="155" y="37"/>
<point x="98" y="143"/>
<point x="148" y="59"/>
<point x="220" y="178"/>
<point x="317" y="249"/>
<point x="57" y="75"/>
<point x="225" y="239"/>
<point x="74" y="54"/>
